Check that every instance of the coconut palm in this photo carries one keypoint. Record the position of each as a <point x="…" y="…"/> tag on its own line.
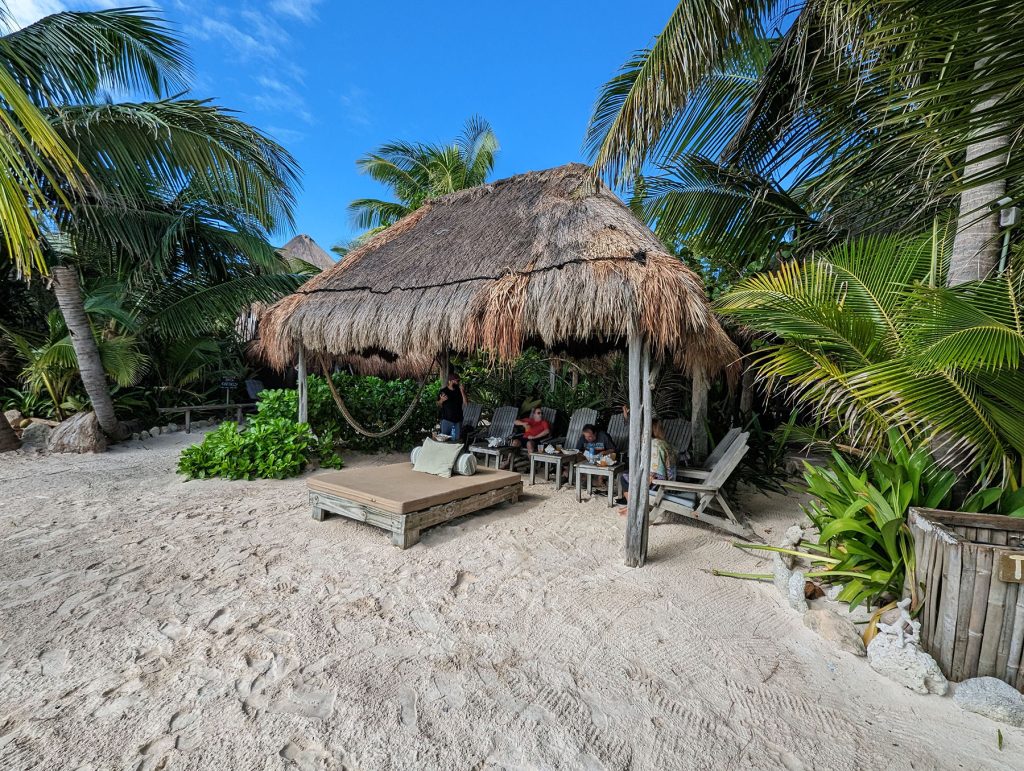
<point x="862" y="334"/>
<point x="415" y="171"/>
<point x="837" y="104"/>
<point x="134" y="151"/>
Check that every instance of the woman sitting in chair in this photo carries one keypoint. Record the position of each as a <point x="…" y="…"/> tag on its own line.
<point x="663" y="462"/>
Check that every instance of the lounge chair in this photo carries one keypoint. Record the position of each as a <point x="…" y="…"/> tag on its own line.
<point x="404" y="502"/>
<point x="501" y="427"/>
<point x="581" y="417"/>
<point x="470" y="419"/>
<point x="618" y="432"/>
<point x="679" y="434"/>
<point x="693" y="499"/>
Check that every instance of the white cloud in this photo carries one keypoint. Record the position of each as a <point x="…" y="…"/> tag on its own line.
<point x="356" y="110"/>
<point x="21" y="13"/>
<point x="279" y="97"/>
<point x="303" y="10"/>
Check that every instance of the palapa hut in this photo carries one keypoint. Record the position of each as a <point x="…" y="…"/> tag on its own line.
<point x="304" y="248"/>
<point x="548" y="258"/>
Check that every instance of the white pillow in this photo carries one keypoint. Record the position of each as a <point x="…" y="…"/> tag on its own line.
<point x="465" y="466"/>
<point x="437" y="458"/>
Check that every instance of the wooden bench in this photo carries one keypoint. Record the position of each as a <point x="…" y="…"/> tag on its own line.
<point x="238" y="408"/>
<point x="405" y="502"/>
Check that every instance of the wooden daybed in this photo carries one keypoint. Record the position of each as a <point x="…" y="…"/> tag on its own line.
<point x="403" y="501"/>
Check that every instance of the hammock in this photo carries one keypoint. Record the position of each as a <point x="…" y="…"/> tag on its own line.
<point x="358" y="428"/>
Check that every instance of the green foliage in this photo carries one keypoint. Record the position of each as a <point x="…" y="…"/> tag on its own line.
<point x="996" y="500"/>
<point x="861" y="516"/>
<point x="267" y="449"/>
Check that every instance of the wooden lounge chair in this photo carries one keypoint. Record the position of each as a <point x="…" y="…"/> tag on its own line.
<point x="579" y="419"/>
<point x="693" y="499"/>
<point x="679" y="434"/>
<point x="502" y="425"/>
<point x="404" y="502"/>
<point x="470" y="418"/>
<point x="618" y="432"/>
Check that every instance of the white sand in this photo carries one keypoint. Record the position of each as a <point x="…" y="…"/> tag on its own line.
<point x="150" y="623"/>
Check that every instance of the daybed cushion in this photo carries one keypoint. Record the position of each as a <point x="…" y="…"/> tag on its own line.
<point x="437" y="457"/>
<point x="400" y="490"/>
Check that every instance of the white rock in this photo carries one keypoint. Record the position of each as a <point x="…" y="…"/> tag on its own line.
<point x="79" y="433"/>
<point x="905" y="663"/>
<point x="781" y="574"/>
<point x="836" y="629"/>
<point x="834" y="591"/>
<point x="991" y="697"/>
<point x="154" y="431"/>
<point x="794" y="535"/>
<point x="171" y="428"/>
<point x="795" y="592"/>
<point x="13" y="417"/>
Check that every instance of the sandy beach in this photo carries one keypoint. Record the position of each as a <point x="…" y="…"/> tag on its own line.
<point x="147" y="622"/>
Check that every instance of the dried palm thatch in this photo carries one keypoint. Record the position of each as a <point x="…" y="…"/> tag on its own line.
<point x="547" y="258"/>
<point x="305" y="249"/>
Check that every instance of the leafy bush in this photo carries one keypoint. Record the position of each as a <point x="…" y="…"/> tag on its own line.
<point x="861" y="516"/>
<point x="996" y="500"/>
<point x="269" y="448"/>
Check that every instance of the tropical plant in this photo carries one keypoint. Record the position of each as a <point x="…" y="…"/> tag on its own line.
<point x="416" y="171"/>
<point x="159" y="172"/>
<point x="860" y="335"/>
<point x="861" y="516"/>
<point x="267" y="449"/>
<point x="774" y="126"/>
<point x="996" y="500"/>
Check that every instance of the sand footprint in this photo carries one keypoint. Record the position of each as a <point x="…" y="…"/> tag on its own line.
<point x="306" y="756"/>
<point x="407" y="701"/>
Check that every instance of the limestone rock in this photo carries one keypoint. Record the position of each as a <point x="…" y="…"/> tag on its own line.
<point x="836" y="629"/>
<point x="13" y="417"/>
<point x="154" y="431"/>
<point x="905" y="663"/>
<point x="36" y="435"/>
<point x="781" y="574"/>
<point x="80" y="433"/>
<point x="992" y="698"/>
<point x="794" y="535"/>
<point x="795" y="592"/>
<point x="45" y="422"/>
<point x="170" y="428"/>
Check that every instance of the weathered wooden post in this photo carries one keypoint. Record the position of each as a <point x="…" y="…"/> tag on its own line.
<point x="699" y="413"/>
<point x="639" y="449"/>
<point x="302" y="386"/>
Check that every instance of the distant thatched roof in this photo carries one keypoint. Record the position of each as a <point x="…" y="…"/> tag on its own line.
<point x="547" y="258"/>
<point x="304" y="248"/>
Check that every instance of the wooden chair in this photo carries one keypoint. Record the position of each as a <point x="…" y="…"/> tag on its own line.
<point x="694" y="499"/>
<point x="501" y="427"/>
<point x="618" y="432"/>
<point x="470" y="418"/>
<point x="679" y="434"/>
<point x="580" y="418"/>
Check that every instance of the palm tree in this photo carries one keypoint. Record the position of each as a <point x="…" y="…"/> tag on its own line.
<point x="834" y="104"/>
<point x="133" y="151"/>
<point x="861" y="334"/>
<point x="415" y="171"/>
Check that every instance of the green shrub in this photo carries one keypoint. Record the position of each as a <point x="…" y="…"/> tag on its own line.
<point x="269" y="448"/>
<point x="861" y="515"/>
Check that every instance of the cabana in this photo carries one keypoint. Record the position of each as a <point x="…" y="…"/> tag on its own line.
<point x="551" y="259"/>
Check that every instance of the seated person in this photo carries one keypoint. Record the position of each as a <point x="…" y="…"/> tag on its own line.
<point x="535" y="428"/>
<point x="594" y="443"/>
<point x="663" y="461"/>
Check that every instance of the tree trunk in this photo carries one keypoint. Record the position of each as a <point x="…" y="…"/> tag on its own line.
<point x="976" y="244"/>
<point x="8" y="439"/>
<point x="699" y="414"/>
<point x="69" y="297"/>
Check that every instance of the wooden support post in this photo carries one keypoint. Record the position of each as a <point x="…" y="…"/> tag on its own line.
<point x="445" y="369"/>
<point x="699" y="414"/>
<point x="639" y="449"/>
<point x="747" y="394"/>
<point x="303" y="388"/>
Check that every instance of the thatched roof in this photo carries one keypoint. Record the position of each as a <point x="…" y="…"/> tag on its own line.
<point x="546" y="258"/>
<point x="304" y="248"/>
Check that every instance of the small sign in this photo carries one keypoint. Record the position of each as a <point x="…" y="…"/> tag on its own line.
<point x="229" y="383"/>
<point x="1010" y="566"/>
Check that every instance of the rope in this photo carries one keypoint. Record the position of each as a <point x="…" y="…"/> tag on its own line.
<point x="358" y="428"/>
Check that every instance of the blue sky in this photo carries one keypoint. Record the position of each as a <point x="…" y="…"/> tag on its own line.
<point x="332" y="80"/>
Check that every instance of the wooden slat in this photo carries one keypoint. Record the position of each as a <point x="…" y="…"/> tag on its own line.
<point x="976" y="626"/>
<point x="990" y="521"/>
<point x="1006" y="631"/>
<point x="1014" y="660"/>
<point x="969" y="558"/>
<point x="993" y="626"/>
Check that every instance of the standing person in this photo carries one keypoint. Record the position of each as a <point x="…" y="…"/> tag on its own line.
<point x="663" y="461"/>
<point x="451" y="400"/>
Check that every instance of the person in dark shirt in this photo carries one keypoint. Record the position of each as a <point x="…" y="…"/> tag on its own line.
<point x="451" y="400"/>
<point x="594" y="442"/>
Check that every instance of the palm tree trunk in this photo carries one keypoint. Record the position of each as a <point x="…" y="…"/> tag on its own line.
<point x="976" y="244"/>
<point x="8" y="439"/>
<point x="90" y="367"/>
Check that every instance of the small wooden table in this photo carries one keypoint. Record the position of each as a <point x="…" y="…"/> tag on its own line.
<point x="549" y="460"/>
<point x="591" y="470"/>
<point x="498" y="453"/>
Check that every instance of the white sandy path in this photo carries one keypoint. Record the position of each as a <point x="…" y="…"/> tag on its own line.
<point x="151" y="623"/>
